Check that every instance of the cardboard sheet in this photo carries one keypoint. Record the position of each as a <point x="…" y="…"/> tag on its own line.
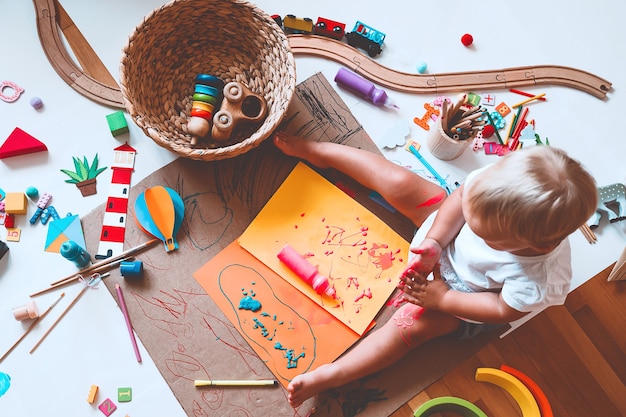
<point x="185" y="332"/>
<point x="359" y="253"/>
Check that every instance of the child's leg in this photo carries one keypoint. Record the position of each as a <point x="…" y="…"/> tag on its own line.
<point x="412" y="195"/>
<point x="409" y="327"/>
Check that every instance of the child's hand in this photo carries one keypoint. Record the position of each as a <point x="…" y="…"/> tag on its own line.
<point x="427" y="256"/>
<point x="418" y="290"/>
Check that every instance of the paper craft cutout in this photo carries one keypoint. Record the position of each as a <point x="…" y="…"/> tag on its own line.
<point x="62" y="230"/>
<point x="289" y="332"/>
<point x="361" y="255"/>
<point x="160" y="212"/>
<point x="116" y="208"/>
<point x="396" y="135"/>
<point x="20" y="143"/>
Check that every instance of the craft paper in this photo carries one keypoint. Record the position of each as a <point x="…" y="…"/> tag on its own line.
<point x="62" y="230"/>
<point x="288" y="331"/>
<point x="360" y="254"/>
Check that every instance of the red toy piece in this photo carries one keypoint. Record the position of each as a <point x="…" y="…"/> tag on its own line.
<point x="467" y="39"/>
<point x="20" y="143"/>
<point x="488" y="131"/>
<point x="329" y="28"/>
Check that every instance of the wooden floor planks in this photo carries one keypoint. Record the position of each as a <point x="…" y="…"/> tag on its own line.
<point x="576" y="353"/>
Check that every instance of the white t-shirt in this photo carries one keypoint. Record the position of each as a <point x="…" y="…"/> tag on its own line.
<point x="527" y="283"/>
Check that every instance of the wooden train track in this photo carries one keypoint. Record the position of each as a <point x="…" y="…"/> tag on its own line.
<point x="95" y="82"/>
<point x="447" y="82"/>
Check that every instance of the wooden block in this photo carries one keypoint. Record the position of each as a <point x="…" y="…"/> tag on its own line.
<point x="20" y="143"/>
<point x="107" y="407"/>
<point x="93" y="392"/>
<point x="117" y="123"/>
<point x="15" y="203"/>
<point x="124" y="395"/>
<point x="514" y="386"/>
<point x="13" y="234"/>
<point x="503" y="109"/>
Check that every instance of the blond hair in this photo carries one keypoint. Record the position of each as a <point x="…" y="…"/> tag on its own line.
<point x="537" y="195"/>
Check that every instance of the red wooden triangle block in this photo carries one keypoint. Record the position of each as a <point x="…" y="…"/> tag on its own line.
<point x="20" y="143"/>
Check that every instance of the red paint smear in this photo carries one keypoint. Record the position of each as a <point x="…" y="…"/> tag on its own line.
<point x="383" y="260"/>
<point x="432" y="201"/>
<point x="345" y="189"/>
<point x="353" y="280"/>
<point x="366" y="293"/>
<point x="397" y="301"/>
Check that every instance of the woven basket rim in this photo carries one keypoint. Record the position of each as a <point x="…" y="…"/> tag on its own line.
<point x="277" y="79"/>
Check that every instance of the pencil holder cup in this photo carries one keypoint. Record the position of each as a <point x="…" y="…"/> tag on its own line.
<point x="442" y="146"/>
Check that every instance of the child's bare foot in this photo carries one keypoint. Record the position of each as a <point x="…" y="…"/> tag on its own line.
<point x="308" y="385"/>
<point x="298" y="147"/>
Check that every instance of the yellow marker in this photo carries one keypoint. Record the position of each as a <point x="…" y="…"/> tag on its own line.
<point x="234" y="383"/>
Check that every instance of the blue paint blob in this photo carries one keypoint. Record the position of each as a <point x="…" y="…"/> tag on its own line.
<point x="5" y="383"/>
<point x="248" y="303"/>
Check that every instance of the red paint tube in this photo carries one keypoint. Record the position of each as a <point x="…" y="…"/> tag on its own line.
<point x="306" y="271"/>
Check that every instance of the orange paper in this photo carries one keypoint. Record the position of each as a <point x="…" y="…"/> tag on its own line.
<point x="289" y="332"/>
<point x="360" y="254"/>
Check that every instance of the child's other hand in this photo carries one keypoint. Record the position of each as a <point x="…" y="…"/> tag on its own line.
<point x="419" y="291"/>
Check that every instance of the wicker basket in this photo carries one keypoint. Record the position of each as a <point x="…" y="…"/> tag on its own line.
<point x="232" y="39"/>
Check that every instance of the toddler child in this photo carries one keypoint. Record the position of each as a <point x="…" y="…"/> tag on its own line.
<point x="491" y="252"/>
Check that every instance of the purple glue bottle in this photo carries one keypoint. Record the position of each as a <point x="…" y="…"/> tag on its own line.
<point x="364" y="88"/>
<point x="306" y="271"/>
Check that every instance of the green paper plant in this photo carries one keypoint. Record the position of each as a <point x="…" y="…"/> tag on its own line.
<point x="83" y="171"/>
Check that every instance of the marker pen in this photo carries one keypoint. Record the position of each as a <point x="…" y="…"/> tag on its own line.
<point x="364" y="88"/>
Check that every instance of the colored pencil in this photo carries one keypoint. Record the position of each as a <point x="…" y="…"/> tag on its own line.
<point x="588" y="233"/>
<point x="494" y="127"/>
<point x="523" y="93"/>
<point x="528" y="100"/>
<point x="133" y="340"/>
<point x="234" y="383"/>
<point x="37" y="320"/>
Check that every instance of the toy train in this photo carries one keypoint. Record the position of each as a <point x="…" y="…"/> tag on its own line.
<point x="362" y="36"/>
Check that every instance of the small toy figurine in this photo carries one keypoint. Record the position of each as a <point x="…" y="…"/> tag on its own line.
<point x="239" y="106"/>
<point x="207" y="96"/>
